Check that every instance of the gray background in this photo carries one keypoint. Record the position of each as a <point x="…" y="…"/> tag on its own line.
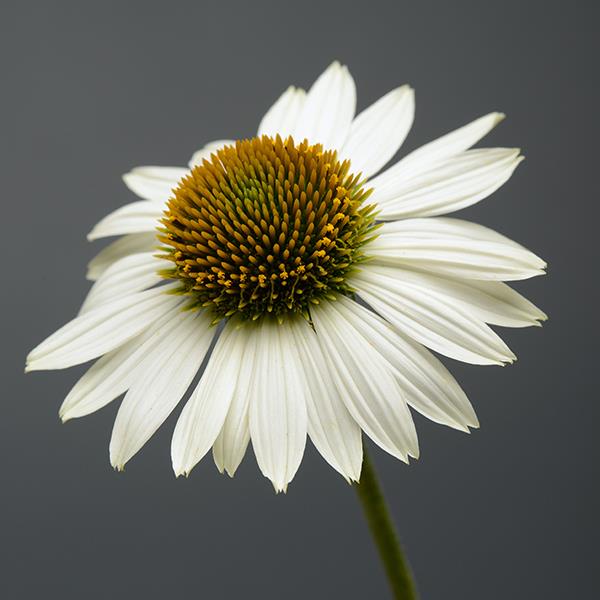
<point x="90" y="90"/>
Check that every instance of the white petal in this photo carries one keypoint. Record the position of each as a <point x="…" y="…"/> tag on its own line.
<point x="101" y="330"/>
<point x="366" y="384"/>
<point x="159" y="385"/>
<point x="128" y="244"/>
<point x="154" y="183"/>
<point x="454" y="247"/>
<point x="133" y="273"/>
<point x="329" y="109"/>
<point x="283" y="116"/>
<point x="231" y="443"/>
<point x="204" y="414"/>
<point x="453" y="184"/>
<point x="436" y="322"/>
<point x="489" y="301"/>
<point x="425" y="383"/>
<point x="333" y="431"/>
<point x="135" y="217"/>
<point x="206" y="151"/>
<point x="378" y="132"/>
<point x="112" y="374"/>
<point x="278" y="419"/>
<point x="426" y="157"/>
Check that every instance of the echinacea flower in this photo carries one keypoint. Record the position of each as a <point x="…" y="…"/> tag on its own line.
<point x="313" y="288"/>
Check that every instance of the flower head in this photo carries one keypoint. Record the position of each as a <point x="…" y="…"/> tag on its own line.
<point x="330" y="285"/>
<point x="266" y="227"/>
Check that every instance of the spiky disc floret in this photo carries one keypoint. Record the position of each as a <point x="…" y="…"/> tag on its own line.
<point x="266" y="227"/>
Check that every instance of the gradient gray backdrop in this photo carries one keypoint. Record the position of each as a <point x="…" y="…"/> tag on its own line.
<point x="91" y="89"/>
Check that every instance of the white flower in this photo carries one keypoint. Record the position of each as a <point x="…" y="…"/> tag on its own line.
<point x="328" y="300"/>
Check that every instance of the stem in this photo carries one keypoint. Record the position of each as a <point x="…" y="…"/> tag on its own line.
<point x="384" y="533"/>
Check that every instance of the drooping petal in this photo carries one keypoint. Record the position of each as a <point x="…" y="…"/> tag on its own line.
<point x="425" y="383"/>
<point x="231" y="443"/>
<point x="378" y="132"/>
<point x="282" y="118"/>
<point x="112" y="374"/>
<point x="454" y="247"/>
<point x="135" y="217"/>
<point x="366" y="384"/>
<point x="436" y="322"/>
<point x="154" y="183"/>
<point x="278" y="420"/>
<point x="168" y="371"/>
<point x="206" y="151"/>
<point x="204" y="414"/>
<point x="455" y="183"/>
<point x="427" y="156"/>
<point x="489" y="301"/>
<point x="133" y="273"/>
<point x="329" y="108"/>
<point x="333" y="431"/>
<point x="128" y="244"/>
<point x="101" y="330"/>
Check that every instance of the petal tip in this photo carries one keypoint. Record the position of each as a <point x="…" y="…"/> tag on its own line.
<point x="498" y="117"/>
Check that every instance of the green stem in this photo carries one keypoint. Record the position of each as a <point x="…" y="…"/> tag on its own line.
<point x="384" y="533"/>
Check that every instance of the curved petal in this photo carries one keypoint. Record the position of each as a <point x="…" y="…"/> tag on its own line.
<point x="203" y="415"/>
<point x="453" y="247"/>
<point x="159" y="385"/>
<point x="378" y="131"/>
<point x="128" y="244"/>
<point x="206" y="151"/>
<point x="489" y="301"/>
<point x="333" y="431"/>
<point x="436" y="322"/>
<point x="101" y="330"/>
<point x="366" y="384"/>
<point x="329" y="109"/>
<point x="278" y="420"/>
<point x="282" y="117"/>
<point x="424" y="158"/>
<point x="425" y="383"/>
<point x="455" y="183"/>
<point x="133" y="273"/>
<point x="112" y="374"/>
<point x="231" y="443"/>
<point x="154" y="183"/>
<point x="135" y="217"/>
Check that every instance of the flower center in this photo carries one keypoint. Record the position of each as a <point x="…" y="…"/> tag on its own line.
<point x="266" y="226"/>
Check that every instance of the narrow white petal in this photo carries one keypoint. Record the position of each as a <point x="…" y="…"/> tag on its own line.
<point x="333" y="431"/>
<point x="329" y="109"/>
<point x="454" y="247"/>
<point x="278" y="419"/>
<point x="489" y="301"/>
<point x="112" y="374"/>
<point x="426" y="157"/>
<point x="154" y="183"/>
<point x="230" y="446"/>
<point x="283" y="116"/>
<point x="135" y="217"/>
<point x="425" y="383"/>
<point x="378" y="132"/>
<point x="101" y="330"/>
<point x="128" y="244"/>
<point x="160" y="385"/>
<point x="206" y="151"/>
<point x="133" y="273"/>
<point x="455" y="183"/>
<point x="437" y="322"/>
<point x="366" y="384"/>
<point x="204" y="414"/>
